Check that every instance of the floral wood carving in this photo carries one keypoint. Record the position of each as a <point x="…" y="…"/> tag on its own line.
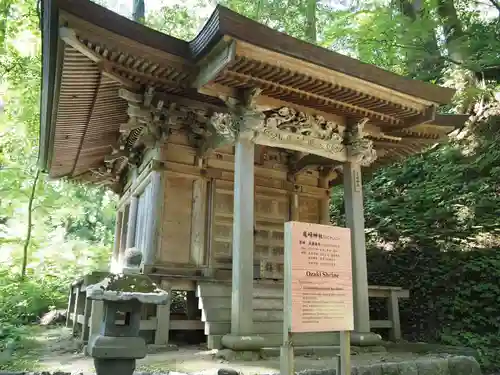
<point x="360" y="150"/>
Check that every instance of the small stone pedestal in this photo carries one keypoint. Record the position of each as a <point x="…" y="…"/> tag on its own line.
<point x="117" y="346"/>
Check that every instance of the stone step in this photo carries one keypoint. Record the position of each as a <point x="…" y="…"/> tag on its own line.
<point x="324" y="351"/>
<point x="321" y="351"/>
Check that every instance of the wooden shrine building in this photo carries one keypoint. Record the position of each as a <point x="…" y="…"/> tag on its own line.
<point x="213" y="144"/>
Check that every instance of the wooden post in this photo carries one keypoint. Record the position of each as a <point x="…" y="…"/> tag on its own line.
<point x="163" y="319"/>
<point x="344" y="363"/>
<point x="132" y="220"/>
<point x="353" y="198"/>
<point x="123" y="236"/>
<point x="71" y="306"/>
<point x="86" y="318"/>
<point x="191" y="305"/>
<point x="393" y="309"/>
<point x="294" y="206"/>
<point x="156" y="206"/>
<point x="287" y="361"/>
<point x="76" y="309"/>
<point x="324" y="213"/>
<point x="243" y="240"/>
<point x="209" y="271"/>
<point x="115" y="258"/>
<point x="198" y="222"/>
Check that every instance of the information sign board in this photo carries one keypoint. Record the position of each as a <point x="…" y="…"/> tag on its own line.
<point x="319" y="277"/>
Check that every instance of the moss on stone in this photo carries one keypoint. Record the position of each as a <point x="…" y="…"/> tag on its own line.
<point x="129" y="283"/>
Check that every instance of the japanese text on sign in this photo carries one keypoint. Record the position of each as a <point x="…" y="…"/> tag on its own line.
<point x="321" y="277"/>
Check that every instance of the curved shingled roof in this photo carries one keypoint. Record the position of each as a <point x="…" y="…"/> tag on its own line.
<point x="90" y="52"/>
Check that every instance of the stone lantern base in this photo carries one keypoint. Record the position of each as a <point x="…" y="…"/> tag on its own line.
<point x="116" y="354"/>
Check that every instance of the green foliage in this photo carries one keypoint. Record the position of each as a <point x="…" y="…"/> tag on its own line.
<point x="432" y="227"/>
<point x="445" y="198"/>
<point x="453" y="296"/>
<point x="422" y="209"/>
<point x="72" y="223"/>
<point x="176" y="20"/>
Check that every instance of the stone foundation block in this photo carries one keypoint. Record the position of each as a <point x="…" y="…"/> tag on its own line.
<point x="243" y="343"/>
<point x="461" y="365"/>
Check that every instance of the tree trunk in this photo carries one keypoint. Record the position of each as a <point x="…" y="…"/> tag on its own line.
<point x="453" y="31"/>
<point x="138" y="13"/>
<point x="427" y="64"/>
<point x="496" y="4"/>
<point x="311" y="21"/>
<point x="258" y="11"/>
<point x="30" y="217"/>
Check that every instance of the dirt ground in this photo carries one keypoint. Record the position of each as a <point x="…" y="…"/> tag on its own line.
<point x="56" y="350"/>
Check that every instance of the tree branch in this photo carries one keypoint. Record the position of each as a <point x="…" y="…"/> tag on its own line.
<point x="496" y="4"/>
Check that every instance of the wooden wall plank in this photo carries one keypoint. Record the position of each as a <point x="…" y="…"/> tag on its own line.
<point x="176" y="231"/>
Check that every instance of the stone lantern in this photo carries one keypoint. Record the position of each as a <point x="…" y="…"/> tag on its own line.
<point x="118" y="345"/>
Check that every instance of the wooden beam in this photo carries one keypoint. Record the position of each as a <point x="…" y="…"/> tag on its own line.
<point x="455" y="121"/>
<point x="425" y="117"/>
<point x="130" y="96"/>
<point x="191" y="103"/>
<point x="311" y="160"/>
<point x="215" y="62"/>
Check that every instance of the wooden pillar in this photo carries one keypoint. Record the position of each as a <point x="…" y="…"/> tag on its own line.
<point x="132" y="220"/>
<point x="243" y="240"/>
<point x="191" y="305"/>
<point x="163" y="319"/>
<point x="198" y="222"/>
<point x="353" y="198"/>
<point x="209" y="270"/>
<point x="78" y="308"/>
<point x="87" y="310"/>
<point x="123" y="236"/>
<point x="115" y="258"/>
<point x="156" y="205"/>
<point x="294" y="206"/>
<point x="71" y="306"/>
<point x="393" y="309"/>
<point x="324" y="211"/>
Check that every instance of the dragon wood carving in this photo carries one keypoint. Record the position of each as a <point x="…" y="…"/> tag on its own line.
<point x="302" y="132"/>
<point x="292" y="129"/>
<point x="359" y="149"/>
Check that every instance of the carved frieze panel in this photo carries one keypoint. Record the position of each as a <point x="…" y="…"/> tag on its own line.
<point x="291" y="129"/>
<point x="300" y="131"/>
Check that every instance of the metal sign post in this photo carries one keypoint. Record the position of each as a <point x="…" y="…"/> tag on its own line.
<point x="318" y="293"/>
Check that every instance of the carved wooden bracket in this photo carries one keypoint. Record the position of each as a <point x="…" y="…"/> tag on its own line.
<point x="242" y="120"/>
<point x="359" y="149"/>
<point x="147" y="127"/>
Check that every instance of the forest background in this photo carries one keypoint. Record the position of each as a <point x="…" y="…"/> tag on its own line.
<point x="432" y="220"/>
